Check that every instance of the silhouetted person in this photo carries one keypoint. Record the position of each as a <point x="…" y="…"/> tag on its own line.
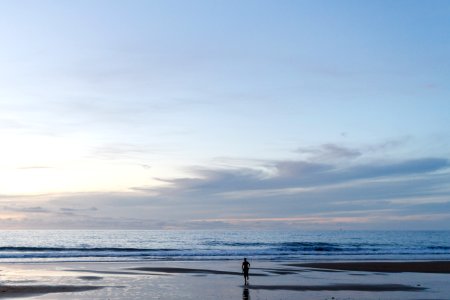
<point x="245" y="269"/>
<point x="245" y="294"/>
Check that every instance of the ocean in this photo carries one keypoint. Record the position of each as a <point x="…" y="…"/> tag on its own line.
<point x="126" y="245"/>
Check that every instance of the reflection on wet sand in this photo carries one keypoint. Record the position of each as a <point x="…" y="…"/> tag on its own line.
<point x="245" y="294"/>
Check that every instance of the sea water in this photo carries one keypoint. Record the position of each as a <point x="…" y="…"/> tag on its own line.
<point x="124" y="245"/>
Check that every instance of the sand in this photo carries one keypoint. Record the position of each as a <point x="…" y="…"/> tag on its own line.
<point x="20" y="291"/>
<point x="222" y="280"/>
<point x="394" y="267"/>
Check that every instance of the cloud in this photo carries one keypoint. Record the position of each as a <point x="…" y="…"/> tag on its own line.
<point x="300" y="174"/>
<point x="32" y="209"/>
<point x="302" y="193"/>
<point x="124" y="150"/>
<point x="68" y="210"/>
<point x="408" y="167"/>
<point x="281" y="190"/>
<point x="34" y="167"/>
<point x="330" y="151"/>
<point x="10" y="124"/>
<point x="388" y="144"/>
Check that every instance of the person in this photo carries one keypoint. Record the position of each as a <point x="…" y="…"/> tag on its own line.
<point x="245" y="269"/>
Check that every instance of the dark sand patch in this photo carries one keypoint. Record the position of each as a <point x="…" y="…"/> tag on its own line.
<point x="283" y="272"/>
<point x="326" y="270"/>
<point x="90" y="277"/>
<point x="341" y="287"/>
<point x="191" y="271"/>
<point x="19" y="291"/>
<point x="106" y="272"/>
<point x="279" y="271"/>
<point x="390" y="267"/>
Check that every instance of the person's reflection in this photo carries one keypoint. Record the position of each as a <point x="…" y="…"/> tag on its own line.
<point x="245" y="294"/>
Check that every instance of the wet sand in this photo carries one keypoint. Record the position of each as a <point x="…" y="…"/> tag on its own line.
<point x="390" y="267"/>
<point x="192" y="271"/>
<point x="340" y="287"/>
<point x="222" y="280"/>
<point x="20" y="291"/>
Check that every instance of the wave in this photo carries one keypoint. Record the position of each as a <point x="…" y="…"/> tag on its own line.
<point x="283" y="250"/>
<point x="310" y="246"/>
<point x="59" y="249"/>
<point x="148" y="245"/>
<point x="290" y="246"/>
<point x="439" y="247"/>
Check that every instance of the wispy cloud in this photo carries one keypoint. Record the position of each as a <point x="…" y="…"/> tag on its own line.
<point x="301" y="174"/>
<point x="33" y="209"/>
<point x="34" y="167"/>
<point x="278" y="193"/>
<point x="330" y="152"/>
<point x="279" y="190"/>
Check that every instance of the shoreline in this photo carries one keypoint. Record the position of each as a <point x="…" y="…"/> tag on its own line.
<point x="223" y="280"/>
<point x="438" y="266"/>
<point x="268" y="260"/>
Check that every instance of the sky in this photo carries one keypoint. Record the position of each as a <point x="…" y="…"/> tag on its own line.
<point x="225" y="114"/>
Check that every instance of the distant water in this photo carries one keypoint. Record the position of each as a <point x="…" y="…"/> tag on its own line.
<point x="123" y="245"/>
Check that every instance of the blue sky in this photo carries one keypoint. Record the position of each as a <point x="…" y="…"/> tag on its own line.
<point x="225" y="114"/>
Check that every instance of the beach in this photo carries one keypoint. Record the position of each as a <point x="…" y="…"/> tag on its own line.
<point x="320" y="265"/>
<point x="223" y="280"/>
